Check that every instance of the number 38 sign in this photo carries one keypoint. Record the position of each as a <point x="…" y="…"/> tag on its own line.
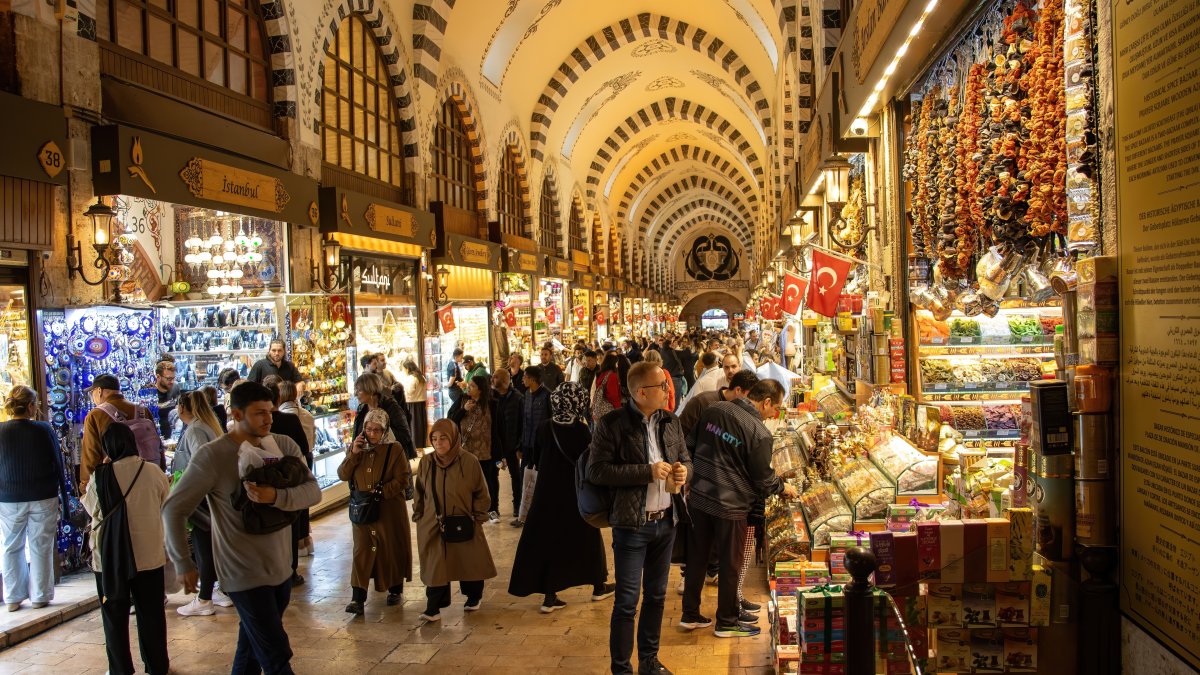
<point x="51" y="159"/>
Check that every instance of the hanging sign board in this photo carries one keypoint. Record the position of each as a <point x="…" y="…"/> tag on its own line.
<point x="1159" y="270"/>
<point x="34" y="137"/>
<point x="457" y="249"/>
<point x="872" y="25"/>
<point x="359" y="214"/>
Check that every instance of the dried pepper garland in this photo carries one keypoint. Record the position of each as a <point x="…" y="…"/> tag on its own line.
<point x="947" y="244"/>
<point x="926" y="180"/>
<point x="1045" y="154"/>
<point x="969" y="209"/>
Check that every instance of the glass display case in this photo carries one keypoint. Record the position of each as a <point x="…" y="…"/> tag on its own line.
<point x="318" y="335"/>
<point x="787" y="535"/>
<point x="472" y="324"/>
<point x="866" y="489"/>
<point x="826" y="512"/>
<point x="912" y="471"/>
<point x="548" y="313"/>
<point x="334" y="432"/>
<point x="787" y="458"/>
<point x="208" y="337"/>
<point x="14" y="340"/>
<point x="516" y="311"/>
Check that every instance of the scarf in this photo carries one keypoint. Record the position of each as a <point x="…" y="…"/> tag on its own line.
<point x="118" y="566"/>
<point x="379" y="416"/>
<point x="449" y="428"/>
<point x="569" y="403"/>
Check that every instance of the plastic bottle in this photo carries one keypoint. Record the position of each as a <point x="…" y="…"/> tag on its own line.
<point x="1060" y="355"/>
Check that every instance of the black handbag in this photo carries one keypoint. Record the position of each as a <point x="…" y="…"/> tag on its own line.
<point x="365" y="505"/>
<point x="455" y="529"/>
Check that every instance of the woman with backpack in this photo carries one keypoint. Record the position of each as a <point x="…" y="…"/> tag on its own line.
<point x="33" y="492"/>
<point x="558" y="549"/>
<point x="125" y="499"/>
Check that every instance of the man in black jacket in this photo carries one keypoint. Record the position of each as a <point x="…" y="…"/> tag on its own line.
<point x="732" y="469"/>
<point x="535" y="409"/>
<point x="639" y="451"/>
<point x="510" y="405"/>
<point x="675" y="367"/>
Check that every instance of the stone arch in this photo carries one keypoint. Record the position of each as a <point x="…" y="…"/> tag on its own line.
<point x="669" y="109"/>
<point x="430" y="18"/>
<point x="391" y="51"/>
<point x="660" y="225"/>
<point x="512" y="137"/>
<point x="550" y="174"/>
<point x="463" y="99"/>
<point x="625" y="32"/>
<point x="704" y="301"/>
<point x="686" y="153"/>
<point x="689" y="184"/>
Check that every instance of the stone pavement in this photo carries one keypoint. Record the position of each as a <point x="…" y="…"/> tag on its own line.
<point x="508" y="635"/>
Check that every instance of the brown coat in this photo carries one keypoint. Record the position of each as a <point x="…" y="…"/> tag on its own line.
<point x="465" y="492"/>
<point x="382" y="549"/>
<point x="91" y="449"/>
<point x="476" y="430"/>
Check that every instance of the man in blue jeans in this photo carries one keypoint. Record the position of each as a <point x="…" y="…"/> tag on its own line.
<point x="639" y="452"/>
<point x="255" y="569"/>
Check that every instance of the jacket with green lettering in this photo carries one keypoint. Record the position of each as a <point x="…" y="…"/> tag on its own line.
<point x="731" y="460"/>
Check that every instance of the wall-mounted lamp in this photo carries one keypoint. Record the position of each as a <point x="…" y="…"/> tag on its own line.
<point x="334" y="276"/>
<point x="102" y="216"/>
<point x="443" y="282"/>
<point x="837" y="188"/>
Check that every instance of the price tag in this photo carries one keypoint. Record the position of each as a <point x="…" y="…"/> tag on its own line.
<point x="970" y="385"/>
<point x="937" y="341"/>
<point x="1027" y="339"/>
<point x="941" y="387"/>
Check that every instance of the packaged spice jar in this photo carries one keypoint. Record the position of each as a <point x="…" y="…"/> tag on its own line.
<point x="1093" y="389"/>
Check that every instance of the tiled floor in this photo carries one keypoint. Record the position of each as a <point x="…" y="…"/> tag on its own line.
<point x="507" y="635"/>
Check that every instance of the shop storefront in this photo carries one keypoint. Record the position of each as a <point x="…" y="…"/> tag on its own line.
<point x="465" y="282"/>
<point x="601" y="309"/>
<point x="582" y="307"/>
<point x="519" y="270"/>
<point x="550" y="321"/>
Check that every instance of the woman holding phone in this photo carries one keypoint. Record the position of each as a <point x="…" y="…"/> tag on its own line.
<point x="382" y="549"/>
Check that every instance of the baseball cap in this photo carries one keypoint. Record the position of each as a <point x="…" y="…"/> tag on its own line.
<point x="105" y="382"/>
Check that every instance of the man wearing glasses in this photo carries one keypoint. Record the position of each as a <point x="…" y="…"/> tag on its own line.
<point x="732" y="459"/>
<point x="639" y="451"/>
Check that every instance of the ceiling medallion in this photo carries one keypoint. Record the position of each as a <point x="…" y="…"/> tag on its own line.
<point x="665" y="82"/>
<point x="654" y="46"/>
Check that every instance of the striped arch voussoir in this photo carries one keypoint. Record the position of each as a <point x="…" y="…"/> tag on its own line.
<point x="690" y="153"/>
<point x="706" y="205"/>
<point x="667" y="249"/>
<point x="430" y="18"/>
<point x="684" y="186"/>
<point x="462" y="98"/>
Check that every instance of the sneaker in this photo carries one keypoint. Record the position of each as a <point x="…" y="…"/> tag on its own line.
<point x="197" y="607"/>
<point x="604" y="592"/>
<point x="652" y="667"/>
<point x="39" y="605"/>
<point x="426" y="616"/>
<point x="355" y="607"/>
<point x="751" y="607"/>
<point x="694" y="622"/>
<point x="14" y="606"/>
<point x="738" y="630"/>
<point x="473" y="605"/>
<point x="493" y="516"/>
<point x="220" y="599"/>
<point x="556" y="605"/>
<point x="680" y="587"/>
<point x="516" y="522"/>
<point x="747" y="617"/>
<point x="710" y="579"/>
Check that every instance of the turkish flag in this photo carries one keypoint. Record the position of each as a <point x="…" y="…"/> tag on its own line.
<point x="551" y="315"/>
<point x="446" y="318"/>
<point x="580" y="313"/>
<point x="774" y="308"/>
<point x="510" y="316"/>
<point x="750" y="314"/>
<point x="793" y="290"/>
<point x="825" y="287"/>
<point x="600" y="318"/>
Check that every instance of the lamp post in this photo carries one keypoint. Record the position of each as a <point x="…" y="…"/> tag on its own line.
<point x="102" y="216"/>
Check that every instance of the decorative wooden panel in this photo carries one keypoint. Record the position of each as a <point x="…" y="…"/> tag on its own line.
<point x="26" y="214"/>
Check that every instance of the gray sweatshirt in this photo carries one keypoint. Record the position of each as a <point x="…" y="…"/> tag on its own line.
<point x="244" y="561"/>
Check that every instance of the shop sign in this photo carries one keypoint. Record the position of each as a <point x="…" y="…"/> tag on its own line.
<point x="811" y="153"/>
<point x="477" y="254"/>
<point x="374" y="279"/>
<point x="872" y="25"/>
<point x="457" y="249"/>
<point x="33" y="136"/>
<point x="732" y="284"/>
<point x="138" y="163"/>
<point x="1159" y="253"/>
<point x="522" y="262"/>
<point x="558" y="267"/>
<point x="218" y="182"/>
<point x="739" y="316"/>
<point x="387" y="220"/>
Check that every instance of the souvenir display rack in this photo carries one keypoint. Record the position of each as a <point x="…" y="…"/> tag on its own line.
<point x="208" y="337"/>
<point x="318" y="334"/>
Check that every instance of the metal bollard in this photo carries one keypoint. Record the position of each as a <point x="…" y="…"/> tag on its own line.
<point x="860" y="611"/>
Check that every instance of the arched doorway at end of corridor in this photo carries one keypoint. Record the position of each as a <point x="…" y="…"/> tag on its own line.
<point x="696" y="309"/>
<point x="717" y="319"/>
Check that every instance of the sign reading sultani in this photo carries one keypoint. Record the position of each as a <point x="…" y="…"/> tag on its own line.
<point x="391" y="221"/>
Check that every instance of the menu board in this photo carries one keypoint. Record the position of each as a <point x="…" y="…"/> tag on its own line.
<point x="1158" y="182"/>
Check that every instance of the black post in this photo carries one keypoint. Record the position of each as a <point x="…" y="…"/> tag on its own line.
<point x="860" y="610"/>
<point x="1099" y="612"/>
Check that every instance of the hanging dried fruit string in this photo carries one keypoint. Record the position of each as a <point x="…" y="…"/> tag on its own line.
<point x="924" y="202"/>
<point x="947" y="244"/>
<point x="969" y="209"/>
<point x="1045" y="154"/>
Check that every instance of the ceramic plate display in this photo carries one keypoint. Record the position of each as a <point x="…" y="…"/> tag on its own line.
<point x="62" y="377"/>
<point x="132" y="324"/>
<point x="97" y="348"/>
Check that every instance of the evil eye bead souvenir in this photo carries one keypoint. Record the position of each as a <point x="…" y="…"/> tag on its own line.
<point x="58" y="418"/>
<point x="76" y="345"/>
<point x="168" y="334"/>
<point x="58" y="327"/>
<point x="62" y="377"/>
<point x="132" y="324"/>
<point x="97" y="348"/>
<point x="88" y="324"/>
<point x="147" y="323"/>
<point x="108" y="324"/>
<point x="58" y="395"/>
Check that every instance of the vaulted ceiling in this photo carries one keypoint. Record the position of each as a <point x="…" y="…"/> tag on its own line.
<point x="667" y="117"/>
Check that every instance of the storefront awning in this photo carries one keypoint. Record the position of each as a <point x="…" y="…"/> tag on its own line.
<point x="464" y="251"/>
<point x="346" y="212"/>
<point x="128" y="161"/>
<point x="34" y="137"/>
<point x="585" y="280"/>
<point x="557" y="268"/>
<point x="516" y="261"/>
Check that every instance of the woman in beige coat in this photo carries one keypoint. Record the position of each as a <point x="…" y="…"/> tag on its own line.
<point x="382" y="549"/>
<point x="450" y="482"/>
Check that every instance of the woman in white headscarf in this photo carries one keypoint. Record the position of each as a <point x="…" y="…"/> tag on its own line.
<point x="383" y="548"/>
<point x="558" y="549"/>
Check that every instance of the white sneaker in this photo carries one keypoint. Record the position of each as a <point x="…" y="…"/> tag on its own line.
<point x="220" y="599"/>
<point x="493" y="516"/>
<point x="679" y="588"/>
<point x="197" y="607"/>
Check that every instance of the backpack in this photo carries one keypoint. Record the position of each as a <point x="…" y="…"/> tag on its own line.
<point x="594" y="501"/>
<point x="601" y="406"/>
<point x="145" y="431"/>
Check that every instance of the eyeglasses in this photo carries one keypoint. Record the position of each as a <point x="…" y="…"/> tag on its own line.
<point x="661" y="385"/>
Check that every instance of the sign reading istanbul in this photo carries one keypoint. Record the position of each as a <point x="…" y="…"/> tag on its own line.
<point x="391" y="221"/>
<point x="218" y="182"/>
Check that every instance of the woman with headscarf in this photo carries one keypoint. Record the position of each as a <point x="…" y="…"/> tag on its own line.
<point x="558" y="549"/>
<point x="124" y="499"/>
<point x="371" y="393"/>
<point x="382" y="549"/>
<point x="450" y="482"/>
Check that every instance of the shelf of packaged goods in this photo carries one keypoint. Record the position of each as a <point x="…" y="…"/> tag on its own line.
<point x="211" y="329"/>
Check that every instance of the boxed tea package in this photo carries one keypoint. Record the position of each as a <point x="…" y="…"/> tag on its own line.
<point x="906" y="565"/>
<point x="929" y="549"/>
<point x="987" y="651"/>
<point x="998" y="533"/>
<point x="953" y="650"/>
<point x="1020" y="650"/>
<point x="1020" y="543"/>
<point x="953" y="566"/>
<point x="885" y="558"/>
<point x="945" y="605"/>
<point x="1039" y="597"/>
<point x="979" y="605"/>
<point x="1012" y="604"/>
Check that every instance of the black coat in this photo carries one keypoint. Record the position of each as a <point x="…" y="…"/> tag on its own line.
<point x="557" y="550"/>
<point x="510" y="409"/>
<point x="397" y="419"/>
<point x="687" y="359"/>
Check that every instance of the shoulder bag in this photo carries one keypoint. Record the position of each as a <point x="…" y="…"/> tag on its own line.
<point x="601" y="406"/>
<point x="455" y="529"/>
<point x="365" y="505"/>
<point x="593" y="501"/>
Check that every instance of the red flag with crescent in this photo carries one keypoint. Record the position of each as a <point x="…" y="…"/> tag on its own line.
<point x="764" y="307"/>
<point x="750" y="314"/>
<point x="774" y="307"/>
<point x="446" y="318"/>
<point x="600" y="318"/>
<point x="793" y="290"/>
<point x="510" y="316"/>
<point x="828" y="277"/>
<point x="551" y="314"/>
<point x="580" y="313"/>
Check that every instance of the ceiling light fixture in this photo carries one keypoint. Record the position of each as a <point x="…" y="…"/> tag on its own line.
<point x="869" y="106"/>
